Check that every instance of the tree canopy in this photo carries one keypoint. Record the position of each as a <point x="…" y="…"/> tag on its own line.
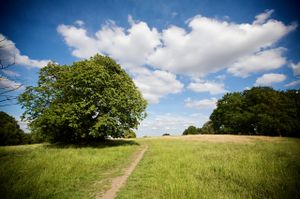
<point x="258" y="111"/>
<point x="10" y="131"/>
<point x="90" y="99"/>
<point x="191" y="130"/>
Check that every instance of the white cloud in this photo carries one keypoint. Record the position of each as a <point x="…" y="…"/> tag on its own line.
<point x="269" y="79"/>
<point x="130" y="47"/>
<point x="258" y="62"/>
<point x="10" y="73"/>
<point x="201" y="104"/>
<point x="212" y="44"/>
<point x="23" y="125"/>
<point x="9" y="54"/>
<point x="209" y="45"/>
<point x="79" y="22"/>
<point x="154" y="85"/>
<point x="263" y="17"/>
<point x="157" y="124"/>
<point x="221" y="77"/>
<point x="296" y="68"/>
<point x="211" y="87"/>
<point x="7" y="84"/>
<point x="293" y="83"/>
<point x="82" y="45"/>
<point x="174" y="14"/>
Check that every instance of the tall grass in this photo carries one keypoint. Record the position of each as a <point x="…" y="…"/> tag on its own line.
<point x="194" y="169"/>
<point x="47" y="171"/>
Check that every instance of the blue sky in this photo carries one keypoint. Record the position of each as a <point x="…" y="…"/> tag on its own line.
<point x="183" y="55"/>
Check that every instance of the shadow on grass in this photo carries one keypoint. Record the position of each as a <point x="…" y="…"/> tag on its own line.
<point x="94" y="144"/>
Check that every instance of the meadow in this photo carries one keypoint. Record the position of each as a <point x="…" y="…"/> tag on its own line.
<point x="173" y="167"/>
<point x="217" y="167"/>
<point x="51" y="171"/>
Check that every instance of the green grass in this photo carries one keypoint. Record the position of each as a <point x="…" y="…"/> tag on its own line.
<point x="196" y="169"/>
<point x="47" y="171"/>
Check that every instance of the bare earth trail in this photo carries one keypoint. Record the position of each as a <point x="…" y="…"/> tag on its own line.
<point x="119" y="181"/>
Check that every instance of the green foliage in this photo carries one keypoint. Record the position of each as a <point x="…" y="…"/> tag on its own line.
<point x="191" y="130"/>
<point x="129" y="134"/>
<point x="88" y="100"/>
<point x="207" y="128"/>
<point x="259" y="111"/>
<point x="10" y="132"/>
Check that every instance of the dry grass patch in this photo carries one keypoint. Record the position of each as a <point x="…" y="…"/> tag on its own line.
<point x="226" y="138"/>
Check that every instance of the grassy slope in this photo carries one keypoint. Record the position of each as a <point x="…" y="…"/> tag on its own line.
<point x="39" y="171"/>
<point x="194" y="169"/>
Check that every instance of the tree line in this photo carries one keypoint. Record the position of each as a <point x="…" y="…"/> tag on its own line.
<point x="10" y="131"/>
<point x="258" y="111"/>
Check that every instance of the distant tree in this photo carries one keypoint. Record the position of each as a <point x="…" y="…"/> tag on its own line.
<point x="129" y="134"/>
<point x="207" y="128"/>
<point x="258" y="111"/>
<point x="89" y="100"/>
<point x="166" y="134"/>
<point x="10" y="131"/>
<point x="191" y="130"/>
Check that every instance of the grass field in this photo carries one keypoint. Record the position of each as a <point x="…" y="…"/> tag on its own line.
<point x="173" y="167"/>
<point x="217" y="167"/>
<point x="41" y="171"/>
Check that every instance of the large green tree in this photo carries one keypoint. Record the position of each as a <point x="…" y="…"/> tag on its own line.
<point x="259" y="111"/>
<point x="90" y="99"/>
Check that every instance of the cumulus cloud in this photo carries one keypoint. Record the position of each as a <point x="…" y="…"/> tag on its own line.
<point x="209" y="46"/>
<point x="79" y="22"/>
<point x="296" y="68"/>
<point x="201" y="104"/>
<point x="130" y="47"/>
<point x="154" y="85"/>
<point x="262" y="18"/>
<point x="293" y="83"/>
<point x="82" y="45"/>
<point x="212" y="44"/>
<point x="6" y="84"/>
<point x="23" y="125"/>
<point x="269" y="79"/>
<point x="9" y="54"/>
<point x="157" y="124"/>
<point x="207" y="86"/>
<point x="10" y="73"/>
<point x="258" y="62"/>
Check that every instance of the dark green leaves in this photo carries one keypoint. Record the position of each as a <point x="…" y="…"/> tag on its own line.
<point x="260" y="110"/>
<point x="89" y="99"/>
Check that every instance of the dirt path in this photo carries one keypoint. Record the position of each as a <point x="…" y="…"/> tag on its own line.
<point x="119" y="181"/>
